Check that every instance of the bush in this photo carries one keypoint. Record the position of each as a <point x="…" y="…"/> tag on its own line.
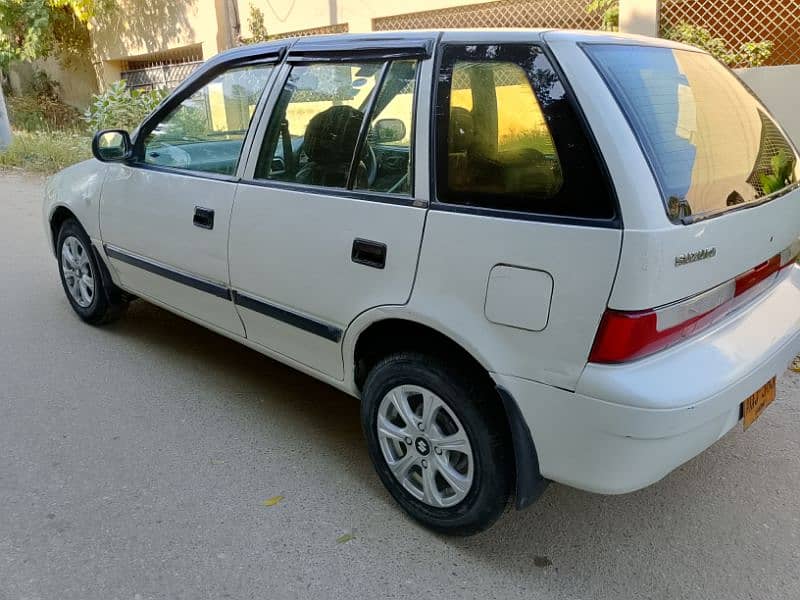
<point x="45" y="151"/>
<point x="750" y="54"/>
<point x="31" y="113"/>
<point x="121" y="108"/>
<point x="39" y="107"/>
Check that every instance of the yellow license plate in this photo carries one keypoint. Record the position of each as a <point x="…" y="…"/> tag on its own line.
<point x="758" y="402"/>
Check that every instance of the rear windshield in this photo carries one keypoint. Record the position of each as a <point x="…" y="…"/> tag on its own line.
<point x="711" y="144"/>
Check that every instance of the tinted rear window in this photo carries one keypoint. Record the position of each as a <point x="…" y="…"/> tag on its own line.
<point x="711" y="144"/>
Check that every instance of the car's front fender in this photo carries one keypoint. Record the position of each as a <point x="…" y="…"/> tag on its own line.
<point x="76" y="189"/>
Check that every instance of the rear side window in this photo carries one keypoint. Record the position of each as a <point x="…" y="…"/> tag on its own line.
<point x="508" y="137"/>
<point x="711" y="144"/>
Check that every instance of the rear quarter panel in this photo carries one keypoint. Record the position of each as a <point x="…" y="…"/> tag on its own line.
<point x="458" y="254"/>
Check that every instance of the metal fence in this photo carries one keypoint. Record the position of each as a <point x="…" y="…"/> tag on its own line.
<point x="165" y="76"/>
<point x="566" y="14"/>
<point x="741" y="21"/>
<point x="325" y="29"/>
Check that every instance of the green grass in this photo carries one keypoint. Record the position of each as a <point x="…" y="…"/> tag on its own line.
<point x="45" y="151"/>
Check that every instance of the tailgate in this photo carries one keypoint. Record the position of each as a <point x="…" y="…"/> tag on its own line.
<point x="726" y="174"/>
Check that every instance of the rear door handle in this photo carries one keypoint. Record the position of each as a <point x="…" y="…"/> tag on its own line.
<point x="203" y="217"/>
<point x="369" y="253"/>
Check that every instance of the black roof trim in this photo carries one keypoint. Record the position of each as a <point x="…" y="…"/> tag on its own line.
<point x="338" y="49"/>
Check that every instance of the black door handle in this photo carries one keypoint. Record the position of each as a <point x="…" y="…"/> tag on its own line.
<point x="203" y="217"/>
<point x="369" y="253"/>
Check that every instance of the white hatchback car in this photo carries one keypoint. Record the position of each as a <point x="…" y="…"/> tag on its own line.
<point x="533" y="255"/>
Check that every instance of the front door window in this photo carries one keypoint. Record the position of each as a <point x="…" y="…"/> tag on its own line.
<point x="206" y="131"/>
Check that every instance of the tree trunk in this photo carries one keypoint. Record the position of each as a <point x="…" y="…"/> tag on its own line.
<point x="5" y="126"/>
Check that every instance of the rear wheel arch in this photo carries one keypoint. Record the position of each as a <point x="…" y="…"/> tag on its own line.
<point x="393" y="335"/>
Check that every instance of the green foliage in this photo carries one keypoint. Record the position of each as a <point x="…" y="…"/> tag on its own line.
<point x="257" y="27"/>
<point x="609" y="9"/>
<point x="754" y="54"/>
<point x="121" y="108"/>
<point x="188" y="122"/>
<point x="750" y="54"/>
<point x="782" y="173"/>
<point x="31" y="29"/>
<point x="45" y="151"/>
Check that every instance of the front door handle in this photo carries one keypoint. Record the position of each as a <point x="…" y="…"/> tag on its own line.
<point x="203" y="217"/>
<point x="369" y="253"/>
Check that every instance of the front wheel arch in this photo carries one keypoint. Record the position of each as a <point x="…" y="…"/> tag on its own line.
<point x="57" y="218"/>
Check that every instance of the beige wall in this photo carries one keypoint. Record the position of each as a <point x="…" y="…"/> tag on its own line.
<point x="639" y="16"/>
<point x="141" y="27"/>
<point x="77" y="82"/>
<point x="779" y="89"/>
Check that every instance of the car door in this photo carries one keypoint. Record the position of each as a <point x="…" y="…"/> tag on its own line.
<point x="164" y="216"/>
<point x="318" y="236"/>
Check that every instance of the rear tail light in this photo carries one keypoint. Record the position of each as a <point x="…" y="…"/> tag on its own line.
<point x="625" y="336"/>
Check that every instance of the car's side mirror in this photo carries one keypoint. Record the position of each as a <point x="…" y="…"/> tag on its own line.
<point x="389" y="130"/>
<point x="112" y="145"/>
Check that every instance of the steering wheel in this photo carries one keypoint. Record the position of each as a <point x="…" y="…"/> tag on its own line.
<point x="370" y="162"/>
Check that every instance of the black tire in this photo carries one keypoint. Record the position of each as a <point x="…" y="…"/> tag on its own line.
<point x="108" y="302"/>
<point x="477" y="407"/>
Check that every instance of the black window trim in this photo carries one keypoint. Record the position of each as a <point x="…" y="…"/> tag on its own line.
<point x="614" y="222"/>
<point x="321" y="190"/>
<point x="267" y="112"/>
<point x="336" y="50"/>
<point x="213" y="69"/>
<point x="691" y="219"/>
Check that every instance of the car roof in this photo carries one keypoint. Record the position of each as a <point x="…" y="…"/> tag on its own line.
<point x="386" y="39"/>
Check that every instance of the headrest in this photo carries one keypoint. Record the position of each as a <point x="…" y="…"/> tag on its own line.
<point x="461" y="130"/>
<point x="331" y="135"/>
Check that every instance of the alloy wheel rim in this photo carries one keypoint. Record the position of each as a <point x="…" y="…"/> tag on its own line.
<point x="425" y="446"/>
<point x="77" y="270"/>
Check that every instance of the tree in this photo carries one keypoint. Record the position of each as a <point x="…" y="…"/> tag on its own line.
<point x="31" y="29"/>
<point x="258" y="29"/>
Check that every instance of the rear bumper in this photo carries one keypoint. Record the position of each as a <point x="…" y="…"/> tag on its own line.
<point x="627" y="426"/>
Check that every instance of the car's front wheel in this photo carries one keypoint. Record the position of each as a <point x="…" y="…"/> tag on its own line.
<point x="82" y="277"/>
<point x="438" y="440"/>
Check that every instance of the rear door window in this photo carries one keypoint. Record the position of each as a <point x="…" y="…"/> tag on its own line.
<point x="508" y="137"/>
<point x="330" y="112"/>
<point x="712" y="146"/>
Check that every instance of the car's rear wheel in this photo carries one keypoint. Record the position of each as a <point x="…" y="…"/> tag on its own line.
<point x="82" y="277"/>
<point x="438" y="440"/>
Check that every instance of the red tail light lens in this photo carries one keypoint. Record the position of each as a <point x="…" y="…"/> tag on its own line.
<point x="756" y="275"/>
<point x="625" y="336"/>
